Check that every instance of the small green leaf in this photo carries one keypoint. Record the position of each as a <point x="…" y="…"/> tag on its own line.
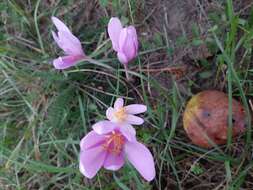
<point x="197" y="169"/>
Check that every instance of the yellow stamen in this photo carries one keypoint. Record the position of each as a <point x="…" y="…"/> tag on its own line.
<point x="120" y="115"/>
<point x="114" y="143"/>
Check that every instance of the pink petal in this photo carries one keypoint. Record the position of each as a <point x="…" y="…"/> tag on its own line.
<point x="114" y="28"/>
<point x="66" y="40"/>
<point x="69" y="43"/>
<point x="119" y="103"/>
<point x="66" y="61"/>
<point x="104" y="127"/>
<point x="122" y="58"/>
<point x="91" y="161"/>
<point x="122" y="39"/>
<point x="128" y="131"/>
<point x="114" y="161"/>
<point x="132" y="119"/>
<point x="136" y="108"/>
<point x="91" y="140"/>
<point x="141" y="158"/>
<point x="127" y="44"/>
<point x="109" y="113"/>
<point x="60" y="25"/>
<point x="129" y="48"/>
<point x="132" y="32"/>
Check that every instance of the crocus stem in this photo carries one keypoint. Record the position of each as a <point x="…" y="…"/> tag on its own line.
<point x="126" y="71"/>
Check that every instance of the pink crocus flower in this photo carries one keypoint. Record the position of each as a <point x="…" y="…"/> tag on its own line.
<point x="110" y="150"/>
<point x="125" y="114"/>
<point x="124" y="40"/>
<point x="121" y="117"/>
<point x="70" y="44"/>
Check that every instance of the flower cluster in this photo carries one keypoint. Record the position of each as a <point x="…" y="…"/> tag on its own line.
<point x="124" y="42"/>
<point x="113" y="141"/>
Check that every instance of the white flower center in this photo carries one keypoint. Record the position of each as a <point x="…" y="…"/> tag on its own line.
<point x="120" y="115"/>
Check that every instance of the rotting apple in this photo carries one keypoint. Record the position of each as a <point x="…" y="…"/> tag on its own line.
<point x="206" y="118"/>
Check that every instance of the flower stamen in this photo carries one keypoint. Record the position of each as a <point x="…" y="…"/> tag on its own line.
<point x="114" y="143"/>
<point x="120" y="115"/>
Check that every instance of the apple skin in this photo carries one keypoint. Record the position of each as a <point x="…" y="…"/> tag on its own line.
<point x="205" y="118"/>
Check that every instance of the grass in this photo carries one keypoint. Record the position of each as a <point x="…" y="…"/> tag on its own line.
<point x="44" y="113"/>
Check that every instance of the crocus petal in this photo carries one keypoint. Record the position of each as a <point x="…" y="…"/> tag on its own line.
<point x="129" y="48"/>
<point x="132" y="32"/>
<point x="91" y="140"/>
<point x="122" y="39"/>
<point x="141" y="158"/>
<point x="109" y="113"/>
<point x="128" y="131"/>
<point x="66" y="61"/>
<point x="104" y="127"/>
<point x="135" y="108"/>
<point x="127" y="44"/>
<point x="132" y="119"/>
<point x="114" y="28"/>
<point x="114" y="161"/>
<point x="91" y="161"/>
<point x="69" y="43"/>
<point x="60" y="25"/>
<point x="118" y="103"/>
<point x="122" y="58"/>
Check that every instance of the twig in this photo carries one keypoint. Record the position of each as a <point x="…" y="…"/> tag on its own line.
<point x="166" y="69"/>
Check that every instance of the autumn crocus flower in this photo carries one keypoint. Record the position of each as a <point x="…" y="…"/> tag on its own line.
<point x="110" y="150"/>
<point x="122" y="118"/>
<point x="125" y="114"/>
<point x="69" y="44"/>
<point x="124" y="41"/>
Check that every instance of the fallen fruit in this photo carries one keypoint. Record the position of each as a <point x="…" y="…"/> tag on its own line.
<point x="206" y="118"/>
